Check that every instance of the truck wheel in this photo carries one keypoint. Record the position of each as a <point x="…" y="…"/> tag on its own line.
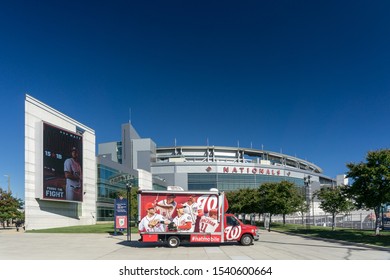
<point x="246" y="240"/>
<point x="173" y="241"/>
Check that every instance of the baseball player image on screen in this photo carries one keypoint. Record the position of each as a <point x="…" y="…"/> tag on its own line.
<point x="183" y="221"/>
<point x="152" y="222"/>
<point x="72" y="171"/>
<point x="209" y="223"/>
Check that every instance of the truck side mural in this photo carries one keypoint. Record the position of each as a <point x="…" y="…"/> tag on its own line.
<point x="176" y="216"/>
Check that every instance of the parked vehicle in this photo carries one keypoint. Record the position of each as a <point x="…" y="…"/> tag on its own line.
<point x="175" y="217"/>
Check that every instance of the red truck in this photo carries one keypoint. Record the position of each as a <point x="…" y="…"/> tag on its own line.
<point x="174" y="217"/>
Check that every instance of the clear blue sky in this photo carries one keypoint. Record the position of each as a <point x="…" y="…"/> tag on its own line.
<point x="308" y="78"/>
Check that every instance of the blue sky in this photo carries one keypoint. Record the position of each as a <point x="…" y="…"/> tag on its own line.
<point x="308" y="78"/>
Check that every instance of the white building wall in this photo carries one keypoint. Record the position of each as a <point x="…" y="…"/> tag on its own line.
<point x="342" y="180"/>
<point x="109" y="148"/>
<point x="44" y="213"/>
<point x="144" y="180"/>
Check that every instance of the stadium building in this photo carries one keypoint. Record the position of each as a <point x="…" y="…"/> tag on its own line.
<point x="202" y="167"/>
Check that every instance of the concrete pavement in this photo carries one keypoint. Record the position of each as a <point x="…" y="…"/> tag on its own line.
<point x="271" y="246"/>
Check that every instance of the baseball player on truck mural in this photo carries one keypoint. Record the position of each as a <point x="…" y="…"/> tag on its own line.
<point x="152" y="222"/>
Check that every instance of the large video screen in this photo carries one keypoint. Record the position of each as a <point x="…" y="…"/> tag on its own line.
<point x="62" y="164"/>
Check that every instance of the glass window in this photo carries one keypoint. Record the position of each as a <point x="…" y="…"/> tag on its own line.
<point x="109" y="184"/>
<point x="234" y="181"/>
<point x="231" y="221"/>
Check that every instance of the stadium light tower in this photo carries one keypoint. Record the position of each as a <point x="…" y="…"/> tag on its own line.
<point x="307" y="182"/>
<point x="9" y="183"/>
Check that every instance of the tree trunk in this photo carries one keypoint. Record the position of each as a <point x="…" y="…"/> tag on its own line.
<point x="263" y="214"/>
<point x="333" y="221"/>
<point x="377" y="219"/>
<point x="270" y="220"/>
<point x="284" y="219"/>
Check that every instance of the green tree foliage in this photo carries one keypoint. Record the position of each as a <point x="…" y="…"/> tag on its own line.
<point x="290" y="198"/>
<point x="269" y="202"/>
<point x="243" y="201"/>
<point x="9" y="208"/>
<point x="334" y="201"/>
<point x="279" y="199"/>
<point x="234" y="205"/>
<point x="303" y="207"/>
<point x="371" y="182"/>
<point x="274" y="198"/>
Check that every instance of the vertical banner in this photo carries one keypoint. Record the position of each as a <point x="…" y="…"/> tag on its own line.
<point x="62" y="164"/>
<point x="120" y="214"/>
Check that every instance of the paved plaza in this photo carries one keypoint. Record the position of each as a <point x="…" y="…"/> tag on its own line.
<point x="271" y="246"/>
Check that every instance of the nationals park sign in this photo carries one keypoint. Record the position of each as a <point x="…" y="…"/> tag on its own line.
<point x="249" y="170"/>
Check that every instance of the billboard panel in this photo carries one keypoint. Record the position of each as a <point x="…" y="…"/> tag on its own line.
<point x="187" y="213"/>
<point x="62" y="164"/>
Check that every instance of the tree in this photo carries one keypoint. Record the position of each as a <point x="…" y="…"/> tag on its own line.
<point x="333" y="201"/>
<point x="9" y="207"/>
<point x="278" y="198"/>
<point x="234" y="205"/>
<point x="371" y="182"/>
<point x="303" y="207"/>
<point x="243" y="201"/>
<point x="290" y="198"/>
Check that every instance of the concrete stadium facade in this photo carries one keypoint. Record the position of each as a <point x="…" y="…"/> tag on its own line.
<point x="230" y="168"/>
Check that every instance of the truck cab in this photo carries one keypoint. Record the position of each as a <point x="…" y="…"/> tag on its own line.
<point x="235" y="230"/>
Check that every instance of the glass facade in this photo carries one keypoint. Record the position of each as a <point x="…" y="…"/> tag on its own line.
<point x="110" y="183"/>
<point x="229" y="182"/>
<point x="119" y="151"/>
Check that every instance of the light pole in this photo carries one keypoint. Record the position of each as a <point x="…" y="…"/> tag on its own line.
<point x="307" y="183"/>
<point x="9" y="183"/>
<point x="129" y="185"/>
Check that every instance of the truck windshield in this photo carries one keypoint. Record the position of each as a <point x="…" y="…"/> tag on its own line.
<point x="231" y="221"/>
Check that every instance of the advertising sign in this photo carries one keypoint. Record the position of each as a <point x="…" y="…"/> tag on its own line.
<point x="62" y="164"/>
<point x="120" y="213"/>
<point x="186" y="213"/>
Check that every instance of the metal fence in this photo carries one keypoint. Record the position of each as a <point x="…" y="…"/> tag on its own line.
<point x="357" y="220"/>
<point x="353" y="221"/>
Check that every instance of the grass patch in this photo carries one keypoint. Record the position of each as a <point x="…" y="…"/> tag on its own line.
<point x="98" y="228"/>
<point x="342" y="234"/>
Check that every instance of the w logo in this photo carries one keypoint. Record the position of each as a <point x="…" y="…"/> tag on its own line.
<point x="232" y="233"/>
